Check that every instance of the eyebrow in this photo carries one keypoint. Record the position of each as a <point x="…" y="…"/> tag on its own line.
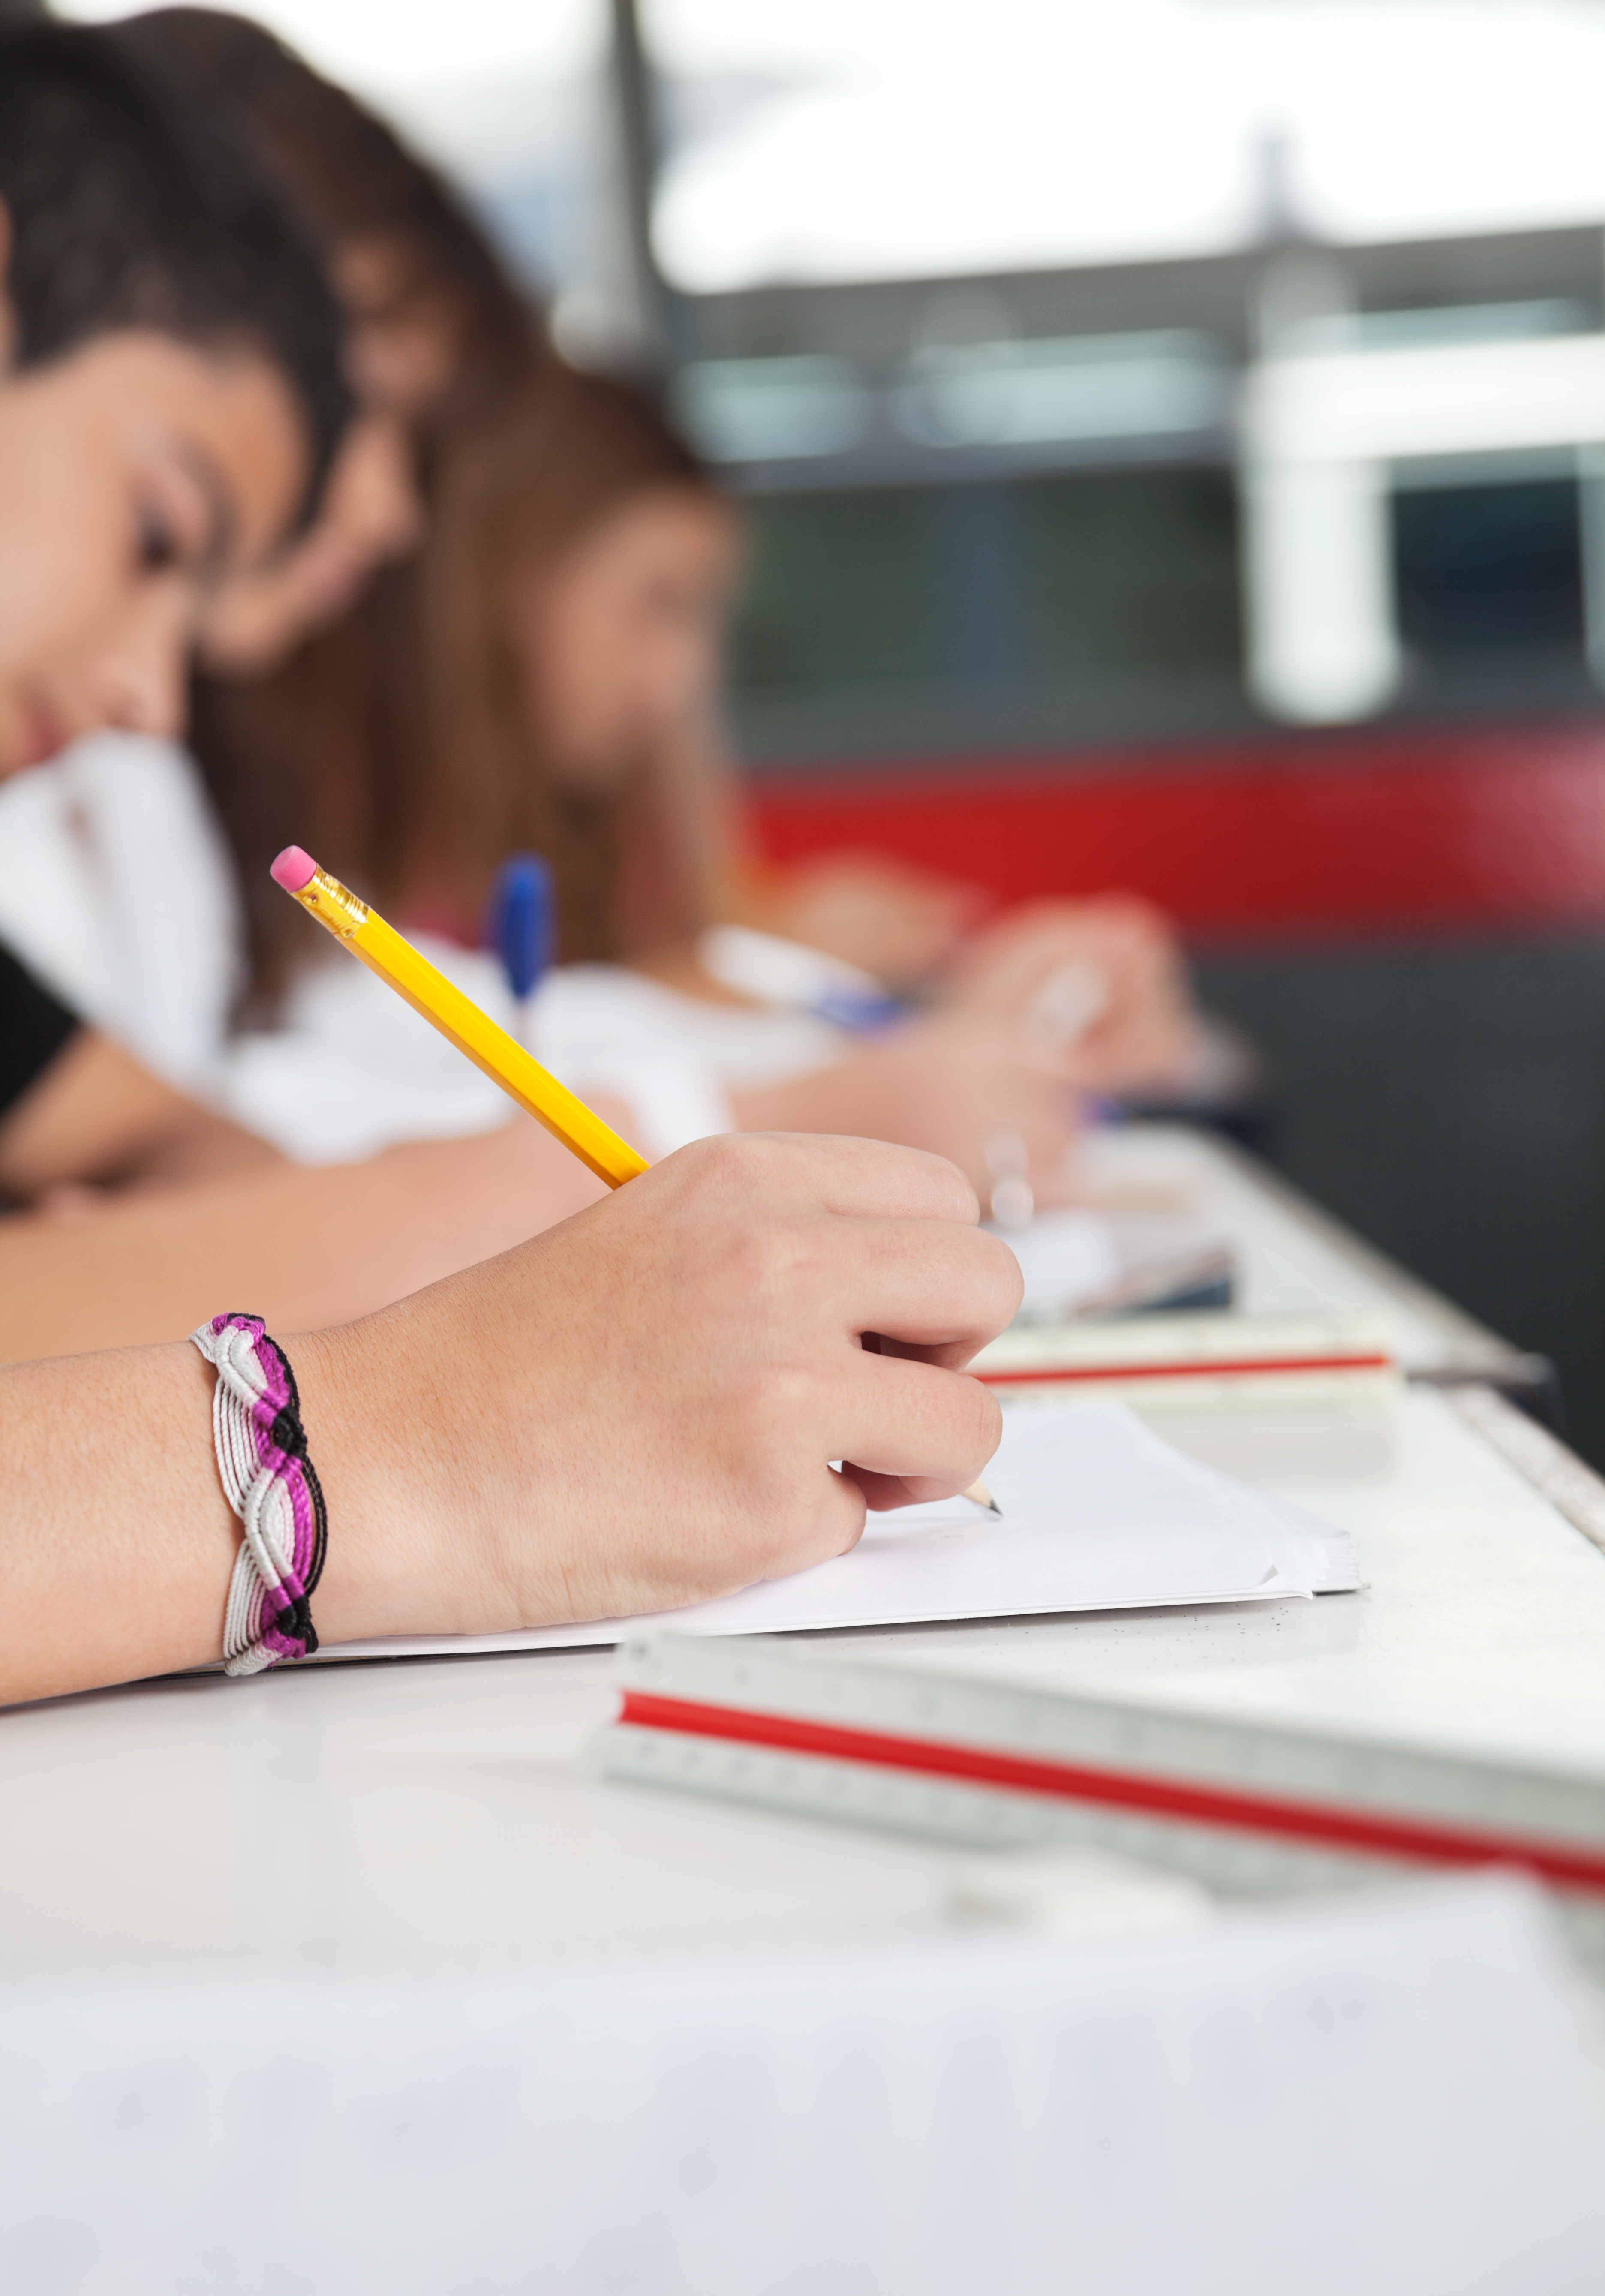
<point x="219" y="502"/>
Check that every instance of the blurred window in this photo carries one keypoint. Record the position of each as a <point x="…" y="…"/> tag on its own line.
<point x="507" y="95"/>
<point x="993" y="313"/>
<point x="830" y="140"/>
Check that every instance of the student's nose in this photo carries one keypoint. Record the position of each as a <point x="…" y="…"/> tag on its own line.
<point x="142" y="675"/>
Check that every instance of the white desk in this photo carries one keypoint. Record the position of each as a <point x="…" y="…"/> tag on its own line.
<point x="408" y="1846"/>
<point x="361" y="1813"/>
<point x="1292" y="1258"/>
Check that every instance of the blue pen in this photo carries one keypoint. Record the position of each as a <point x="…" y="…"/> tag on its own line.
<point x="519" y="923"/>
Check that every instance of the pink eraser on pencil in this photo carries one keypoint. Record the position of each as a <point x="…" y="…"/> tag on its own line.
<point x="293" y="869"/>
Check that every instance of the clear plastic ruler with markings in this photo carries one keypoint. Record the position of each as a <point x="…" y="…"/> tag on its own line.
<point x="1245" y="1806"/>
<point x="1198" y="1357"/>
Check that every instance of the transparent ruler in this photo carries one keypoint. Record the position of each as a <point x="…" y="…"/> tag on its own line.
<point x="1245" y="1806"/>
<point x="1180" y="1361"/>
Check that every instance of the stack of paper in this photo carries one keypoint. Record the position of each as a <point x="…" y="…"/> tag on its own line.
<point x="1099" y="1513"/>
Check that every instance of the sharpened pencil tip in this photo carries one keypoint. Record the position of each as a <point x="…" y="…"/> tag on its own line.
<point x="984" y="1498"/>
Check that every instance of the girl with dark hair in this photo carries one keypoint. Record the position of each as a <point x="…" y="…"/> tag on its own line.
<point x="438" y="331"/>
<point x="435" y="331"/>
<point x="170" y="358"/>
<point x="436" y="327"/>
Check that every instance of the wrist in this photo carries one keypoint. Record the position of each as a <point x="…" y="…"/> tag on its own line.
<point x="433" y="1526"/>
<point x="370" y="1437"/>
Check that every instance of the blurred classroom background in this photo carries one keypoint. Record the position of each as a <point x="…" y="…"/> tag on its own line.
<point x="1187" y="480"/>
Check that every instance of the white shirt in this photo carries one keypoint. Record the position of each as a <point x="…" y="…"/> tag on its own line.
<point x="117" y="890"/>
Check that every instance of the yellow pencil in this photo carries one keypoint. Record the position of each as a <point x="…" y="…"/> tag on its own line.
<point x="381" y="948"/>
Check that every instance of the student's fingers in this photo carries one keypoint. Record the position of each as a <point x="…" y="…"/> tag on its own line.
<point x="857" y="1179"/>
<point x="925" y="1284"/>
<point x="836" y="1521"/>
<point x="895" y="1418"/>
<point x="882" y="1493"/>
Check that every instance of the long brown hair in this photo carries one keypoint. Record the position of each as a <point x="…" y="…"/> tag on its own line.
<point x="404" y="737"/>
<point x="514" y="496"/>
<point x="285" y="756"/>
<point x="352" y="178"/>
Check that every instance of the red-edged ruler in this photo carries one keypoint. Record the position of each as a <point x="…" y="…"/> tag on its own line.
<point x="1244" y="1806"/>
<point x="1197" y="1358"/>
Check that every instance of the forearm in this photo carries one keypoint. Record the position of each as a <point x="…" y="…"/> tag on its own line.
<point x="634" y="1411"/>
<point x="304" y="1249"/>
<point x="116" y="1538"/>
<point x="117" y="1542"/>
<point x="97" y="1115"/>
<point x="841" y="1098"/>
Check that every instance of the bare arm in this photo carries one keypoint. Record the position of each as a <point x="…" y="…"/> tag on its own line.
<point x="949" y="1085"/>
<point x="635" y="1410"/>
<point x="96" y="1115"/>
<point x="896" y="921"/>
<point x="301" y="1248"/>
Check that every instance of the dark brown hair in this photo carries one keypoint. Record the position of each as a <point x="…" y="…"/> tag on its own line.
<point x="351" y="176"/>
<point x="404" y="734"/>
<point x="287" y="753"/>
<point x="128" y="208"/>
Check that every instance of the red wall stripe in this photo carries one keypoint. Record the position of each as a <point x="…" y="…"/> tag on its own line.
<point x="1436" y="831"/>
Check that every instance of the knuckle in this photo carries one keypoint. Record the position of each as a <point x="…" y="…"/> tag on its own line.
<point x="948" y="1195"/>
<point x="771" y="1264"/>
<point x="775" y="1397"/>
<point x="815" y="1522"/>
<point x="735" y="1158"/>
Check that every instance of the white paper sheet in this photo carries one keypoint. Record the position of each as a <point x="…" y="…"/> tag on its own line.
<point x="1099" y="1513"/>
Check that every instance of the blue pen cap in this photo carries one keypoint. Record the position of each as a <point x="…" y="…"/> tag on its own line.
<point x="520" y="920"/>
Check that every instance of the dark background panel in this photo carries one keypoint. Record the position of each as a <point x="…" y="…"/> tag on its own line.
<point x="1449" y="1102"/>
<point x="839" y="594"/>
<point x="1480" y="566"/>
<point x="1135" y="569"/>
<point x="1099" y="607"/>
<point x="1011" y="613"/>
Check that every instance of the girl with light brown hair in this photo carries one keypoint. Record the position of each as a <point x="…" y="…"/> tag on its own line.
<point x="544" y="675"/>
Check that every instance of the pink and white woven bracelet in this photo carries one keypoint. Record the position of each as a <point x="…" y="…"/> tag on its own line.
<point x="270" y="1483"/>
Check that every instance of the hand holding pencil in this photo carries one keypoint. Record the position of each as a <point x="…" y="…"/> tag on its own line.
<point x="502" y="1058"/>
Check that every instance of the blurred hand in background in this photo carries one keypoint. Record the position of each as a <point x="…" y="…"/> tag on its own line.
<point x="1099" y="984"/>
<point x="898" y="922"/>
<point x="953" y="1083"/>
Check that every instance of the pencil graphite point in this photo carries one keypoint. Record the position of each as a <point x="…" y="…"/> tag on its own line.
<point x="293" y="869"/>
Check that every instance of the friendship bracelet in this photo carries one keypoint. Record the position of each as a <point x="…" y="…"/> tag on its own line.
<point x="270" y="1483"/>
